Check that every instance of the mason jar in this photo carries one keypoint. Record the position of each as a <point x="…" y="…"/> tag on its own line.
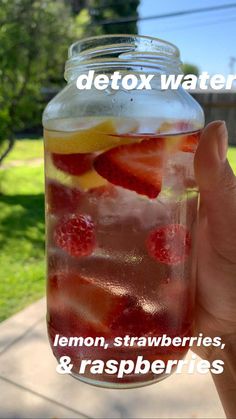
<point x="121" y="211"/>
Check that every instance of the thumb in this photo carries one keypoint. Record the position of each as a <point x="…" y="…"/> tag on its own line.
<point x="217" y="186"/>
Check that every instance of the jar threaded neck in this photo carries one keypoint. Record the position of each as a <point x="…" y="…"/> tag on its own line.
<point x="125" y="52"/>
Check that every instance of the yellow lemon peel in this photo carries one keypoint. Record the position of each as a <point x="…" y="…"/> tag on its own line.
<point x="104" y="135"/>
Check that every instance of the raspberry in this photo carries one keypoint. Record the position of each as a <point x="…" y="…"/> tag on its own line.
<point x="76" y="235"/>
<point x="170" y="244"/>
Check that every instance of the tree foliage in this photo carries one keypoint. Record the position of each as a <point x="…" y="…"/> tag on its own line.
<point x="113" y="10"/>
<point x="34" y="36"/>
<point x="190" y="69"/>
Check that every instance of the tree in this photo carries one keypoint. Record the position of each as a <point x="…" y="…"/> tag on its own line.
<point x="110" y="10"/>
<point x="190" y="69"/>
<point x="34" y="37"/>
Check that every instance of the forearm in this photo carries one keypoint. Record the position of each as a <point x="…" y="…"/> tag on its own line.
<point x="226" y="382"/>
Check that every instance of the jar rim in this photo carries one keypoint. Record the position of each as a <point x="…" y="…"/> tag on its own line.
<point x="82" y="45"/>
<point x="125" y="51"/>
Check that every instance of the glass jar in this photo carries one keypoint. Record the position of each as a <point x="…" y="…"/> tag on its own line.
<point x="121" y="209"/>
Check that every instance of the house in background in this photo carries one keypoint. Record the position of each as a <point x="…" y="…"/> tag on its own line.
<point x="220" y="105"/>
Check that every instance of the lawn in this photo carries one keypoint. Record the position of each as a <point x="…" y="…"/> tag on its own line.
<point x="26" y="150"/>
<point x="22" y="274"/>
<point x="232" y="157"/>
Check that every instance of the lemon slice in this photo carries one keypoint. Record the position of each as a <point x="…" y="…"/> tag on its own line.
<point x="88" y="180"/>
<point x="99" y="136"/>
<point x="165" y="127"/>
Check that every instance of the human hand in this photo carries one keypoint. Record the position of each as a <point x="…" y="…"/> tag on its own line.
<point x="216" y="237"/>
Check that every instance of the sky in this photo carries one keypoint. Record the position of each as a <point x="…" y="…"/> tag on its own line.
<point x="207" y="39"/>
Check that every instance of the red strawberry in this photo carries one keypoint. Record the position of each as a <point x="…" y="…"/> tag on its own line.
<point x="177" y="299"/>
<point x="80" y="306"/>
<point x="104" y="191"/>
<point x="134" y="166"/>
<point x="76" y="235"/>
<point x="190" y="142"/>
<point x="135" y="321"/>
<point x="62" y="198"/>
<point x="74" y="164"/>
<point x="170" y="244"/>
<point x="183" y="126"/>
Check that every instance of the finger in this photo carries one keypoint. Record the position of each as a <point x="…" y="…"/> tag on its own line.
<point x="217" y="186"/>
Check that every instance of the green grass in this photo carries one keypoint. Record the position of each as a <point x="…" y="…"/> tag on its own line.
<point x="26" y="150"/>
<point x="232" y="158"/>
<point x="31" y="149"/>
<point x="22" y="273"/>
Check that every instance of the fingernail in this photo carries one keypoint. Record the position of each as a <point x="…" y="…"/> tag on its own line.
<point x="222" y="140"/>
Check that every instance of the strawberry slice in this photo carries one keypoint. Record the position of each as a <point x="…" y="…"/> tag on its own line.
<point x="74" y="164"/>
<point x="138" y="322"/>
<point x="183" y="126"/>
<point x="137" y="167"/>
<point x="190" y="142"/>
<point x="79" y="306"/>
<point x="104" y="191"/>
<point x="61" y="198"/>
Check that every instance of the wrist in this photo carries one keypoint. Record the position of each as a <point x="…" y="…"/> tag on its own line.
<point x="227" y="352"/>
<point x="226" y="381"/>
